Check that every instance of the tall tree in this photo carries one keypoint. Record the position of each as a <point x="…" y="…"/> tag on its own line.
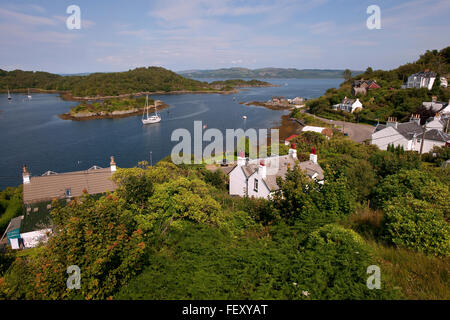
<point x="347" y="74"/>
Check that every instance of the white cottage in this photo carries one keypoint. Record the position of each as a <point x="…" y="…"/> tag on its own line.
<point x="348" y="105"/>
<point x="409" y="135"/>
<point x="258" y="178"/>
<point x="423" y="79"/>
<point x="398" y="134"/>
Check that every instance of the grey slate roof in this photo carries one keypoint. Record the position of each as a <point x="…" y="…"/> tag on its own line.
<point x="406" y="129"/>
<point x="285" y="163"/>
<point x="437" y="135"/>
<point x="409" y="129"/>
<point x="434" y="106"/>
<point x="427" y="74"/>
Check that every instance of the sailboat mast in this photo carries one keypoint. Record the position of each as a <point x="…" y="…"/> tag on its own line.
<point x="146" y="104"/>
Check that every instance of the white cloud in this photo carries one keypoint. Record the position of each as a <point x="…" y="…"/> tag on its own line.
<point x="26" y="18"/>
<point x="322" y="27"/>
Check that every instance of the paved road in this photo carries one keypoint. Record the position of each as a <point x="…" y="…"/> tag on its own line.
<point x="356" y="131"/>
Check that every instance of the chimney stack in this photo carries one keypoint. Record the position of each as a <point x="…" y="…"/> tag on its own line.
<point x="241" y="159"/>
<point x="25" y="175"/>
<point x="262" y="169"/>
<point x="293" y="151"/>
<point x="113" y="165"/>
<point x="392" y="122"/>
<point x="415" y="118"/>
<point x="313" y="155"/>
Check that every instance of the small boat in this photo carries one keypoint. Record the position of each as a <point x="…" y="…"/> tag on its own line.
<point x="9" y="95"/>
<point x="152" y="119"/>
<point x="234" y="98"/>
<point x="29" y="95"/>
<point x="244" y="117"/>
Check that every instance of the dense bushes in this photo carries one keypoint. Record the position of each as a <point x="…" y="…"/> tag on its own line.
<point x="201" y="262"/>
<point x="173" y="232"/>
<point x="98" y="236"/>
<point x="417" y="224"/>
<point x="335" y="263"/>
<point x="10" y="206"/>
<point x="310" y="205"/>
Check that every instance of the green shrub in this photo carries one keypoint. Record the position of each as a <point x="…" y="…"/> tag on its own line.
<point x="333" y="265"/>
<point x="416" y="224"/>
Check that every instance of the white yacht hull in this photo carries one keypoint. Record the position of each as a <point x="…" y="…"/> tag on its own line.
<point x="152" y="119"/>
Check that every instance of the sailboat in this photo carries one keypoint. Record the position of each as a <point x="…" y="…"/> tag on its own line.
<point x="29" y="95"/>
<point x="152" y="119"/>
<point x="9" y="95"/>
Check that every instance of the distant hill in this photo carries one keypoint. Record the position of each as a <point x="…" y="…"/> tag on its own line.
<point x="114" y="84"/>
<point x="151" y="79"/>
<point x="233" y="73"/>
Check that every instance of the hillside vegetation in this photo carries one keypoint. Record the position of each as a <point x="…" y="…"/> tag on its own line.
<point x="10" y="206"/>
<point x="140" y="80"/>
<point x="390" y="100"/>
<point x="151" y="79"/>
<point x="173" y="232"/>
<point x="111" y="105"/>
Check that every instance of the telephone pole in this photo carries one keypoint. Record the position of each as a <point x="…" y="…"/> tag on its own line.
<point x="423" y="138"/>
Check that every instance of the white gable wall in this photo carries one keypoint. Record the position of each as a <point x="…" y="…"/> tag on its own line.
<point x="237" y="182"/>
<point x="356" y="104"/>
<point x="263" y="191"/>
<point x="388" y="136"/>
<point x="429" y="144"/>
<point x="435" y="124"/>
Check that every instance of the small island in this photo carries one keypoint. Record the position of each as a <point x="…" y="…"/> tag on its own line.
<point x="233" y="84"/>
<point x="111" y="108"/>
<point x="278" y="103"/>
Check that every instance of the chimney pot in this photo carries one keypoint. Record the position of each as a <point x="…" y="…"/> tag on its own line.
<point x="293" y="151"/>
<point x="113" y="164"/>
<point x="262" y="169"/>
<point x="25" y="175"/>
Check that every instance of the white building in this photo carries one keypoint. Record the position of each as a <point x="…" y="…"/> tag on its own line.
<point x="435" y="138"/>
<point x="348" y="105"/>
<point x="408" y="135"/>
<point x="437" y="122"/>
<point x="258" y="178"/>
<point x="423" y="79"/>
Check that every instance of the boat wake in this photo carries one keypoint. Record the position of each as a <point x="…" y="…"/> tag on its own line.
<point x="190" y="115"/>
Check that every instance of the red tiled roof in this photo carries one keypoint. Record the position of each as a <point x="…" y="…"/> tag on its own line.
<point x="292" y="137"/>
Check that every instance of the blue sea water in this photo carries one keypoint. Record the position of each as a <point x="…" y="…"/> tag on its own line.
<point x="31" y="132"/>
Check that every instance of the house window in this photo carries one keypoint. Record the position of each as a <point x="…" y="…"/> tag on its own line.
<point x="68" y="193"/>
<point x="255" y="186"/>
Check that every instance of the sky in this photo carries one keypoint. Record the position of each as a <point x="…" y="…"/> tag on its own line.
<point x="210" y="34"/>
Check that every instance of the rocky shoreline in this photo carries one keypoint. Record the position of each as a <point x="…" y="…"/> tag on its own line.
<point x="83" y="116"/>
<point x="269" y="105"/>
